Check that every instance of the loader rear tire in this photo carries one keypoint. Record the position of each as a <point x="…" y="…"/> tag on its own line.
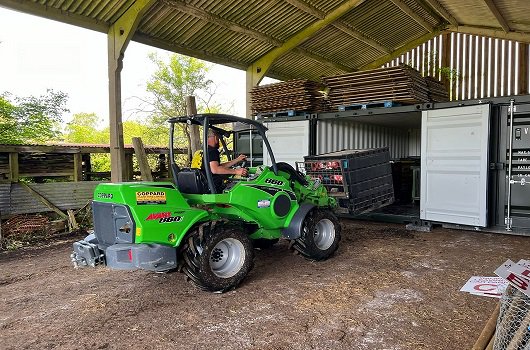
<point x="320" y="235"/>
<point x="218" y="261"/>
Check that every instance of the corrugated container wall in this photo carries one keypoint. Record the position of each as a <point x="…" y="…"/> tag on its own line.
<point x="333" y="135"/>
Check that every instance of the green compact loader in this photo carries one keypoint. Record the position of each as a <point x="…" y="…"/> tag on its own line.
<point x="209" y="234"/>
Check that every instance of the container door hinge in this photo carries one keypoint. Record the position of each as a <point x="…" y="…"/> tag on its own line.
<point x="497" y="166"/>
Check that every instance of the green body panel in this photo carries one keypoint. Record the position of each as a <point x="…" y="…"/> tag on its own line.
<point x="249" y="201"/>
<point x="147" y="217"/>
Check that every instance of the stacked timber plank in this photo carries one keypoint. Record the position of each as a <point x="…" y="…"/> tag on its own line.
<point x="401" y="84"/>
<point x="291" y="95"/>
<point x="437" y="90"/>
<point x="45" y="163"/>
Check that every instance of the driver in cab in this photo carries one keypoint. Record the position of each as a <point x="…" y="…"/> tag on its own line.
<point x="219" y="169"/>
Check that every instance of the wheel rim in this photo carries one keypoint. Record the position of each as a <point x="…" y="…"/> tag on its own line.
<point x="227" y="258"/>
<point x="324" y="234"/>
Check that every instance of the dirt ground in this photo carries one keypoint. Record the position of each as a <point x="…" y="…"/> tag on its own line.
<point x="386" y="288"/>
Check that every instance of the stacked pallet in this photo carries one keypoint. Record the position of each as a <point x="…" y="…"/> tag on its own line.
<point x="437" y="90"/>
<point x="292" y="95"/>
<point x="401" y="84"/>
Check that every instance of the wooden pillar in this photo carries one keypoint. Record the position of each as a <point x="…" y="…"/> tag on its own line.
<point x="195" y="137"/>
<point x="13" y="167"/>
<point x="88" y="166"/>
<point x="141" y="157"/>
<point x="78" y="167"/>
<point x="129" y="168"/>
<point x="118" y="37"/>
<point x="523" y="69"/>
<point x="117" y="150"/>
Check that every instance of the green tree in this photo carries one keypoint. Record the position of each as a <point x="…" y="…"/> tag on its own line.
<point x="83" y="128"/>
<point x="169" y="85"/>
<point x="31" y="119"/>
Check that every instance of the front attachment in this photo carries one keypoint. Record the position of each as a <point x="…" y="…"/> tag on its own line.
<point x="87" y="253"/>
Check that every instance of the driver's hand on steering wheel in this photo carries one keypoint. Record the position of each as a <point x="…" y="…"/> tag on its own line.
<point x="242" y="172"/>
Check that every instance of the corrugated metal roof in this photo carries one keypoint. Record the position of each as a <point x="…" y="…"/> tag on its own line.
<point x="239" y="32"/>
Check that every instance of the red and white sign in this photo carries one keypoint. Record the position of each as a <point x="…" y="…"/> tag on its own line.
<point x="516" y="275"/>
<point x="485" y="286"/>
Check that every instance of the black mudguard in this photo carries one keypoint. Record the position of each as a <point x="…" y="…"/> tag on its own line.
<point x="294" y="230"/>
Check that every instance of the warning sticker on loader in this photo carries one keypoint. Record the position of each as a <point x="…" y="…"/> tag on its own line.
<point x="150" y="197"/>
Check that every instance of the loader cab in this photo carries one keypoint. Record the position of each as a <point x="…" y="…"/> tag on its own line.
<point x="197" y="181"/>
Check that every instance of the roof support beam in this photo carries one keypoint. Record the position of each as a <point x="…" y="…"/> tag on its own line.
<point x="493" y="8"/>
<point x="118" y="37"/>
<point x="342" y="26"/>
<point x="523" y="37"/>
<point x="322" y="60"/>
<point x="201" y="14"/>
<point x="221" y="22"/>
<point x="405" y="8"/>
<point x="438" y="8"/>
<point x="262" y="65"/>
<point x="403" y="49"/>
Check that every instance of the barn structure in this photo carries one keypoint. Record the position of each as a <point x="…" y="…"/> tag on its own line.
<point x="288" y="39"/>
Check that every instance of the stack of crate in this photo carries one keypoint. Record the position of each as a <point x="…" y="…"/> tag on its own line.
<point x="361" y="180"/>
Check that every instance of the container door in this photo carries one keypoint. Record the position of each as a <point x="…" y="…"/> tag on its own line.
<point x="289" y="141"/>
<point x="454" y="165"/>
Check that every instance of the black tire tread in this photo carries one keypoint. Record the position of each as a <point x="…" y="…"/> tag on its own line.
<point x="305" y="244"/>
<point x="193" y="264"/>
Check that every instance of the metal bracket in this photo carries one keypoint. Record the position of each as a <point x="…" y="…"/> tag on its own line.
<point x="522" y="182"/>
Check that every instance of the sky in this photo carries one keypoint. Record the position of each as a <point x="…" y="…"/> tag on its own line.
<point x="38" y="54"/>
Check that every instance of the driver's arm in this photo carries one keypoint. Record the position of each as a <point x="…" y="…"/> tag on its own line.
<point x="221" y="169"/>
<point x="233" y="162"/>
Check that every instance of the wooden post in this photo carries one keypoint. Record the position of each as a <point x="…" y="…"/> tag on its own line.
<point x="78" y="167"/>
<point x="129" y="168"/>
<point x="72" y="222"/>
<point x="489" y="330"/>
<point x="195" y="137"/>
<point x="13" y="167"/>
<point x="139" y="150"/>
<point x="88" y="165"/>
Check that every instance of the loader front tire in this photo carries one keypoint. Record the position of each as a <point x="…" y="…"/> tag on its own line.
<point x="218" y="261"/>
<point x="320" y="235"/>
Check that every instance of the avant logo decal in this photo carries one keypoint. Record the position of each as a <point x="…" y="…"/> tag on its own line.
<point x="157" y="216"/>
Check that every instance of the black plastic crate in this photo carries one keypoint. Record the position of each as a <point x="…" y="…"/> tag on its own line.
<point x="361" y="180"/>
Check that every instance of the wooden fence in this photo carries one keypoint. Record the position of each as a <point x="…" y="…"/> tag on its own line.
<point x="473" y="67"/>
